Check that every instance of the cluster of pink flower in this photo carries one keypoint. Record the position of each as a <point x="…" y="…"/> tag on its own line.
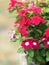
<point x="26" y="22"/>
<point x="34" y="44"/>
<point x="13" y="4"/>
<point x="24" y="10"/>
<point x="30" y="43"/>
<point x="45" y="37"/>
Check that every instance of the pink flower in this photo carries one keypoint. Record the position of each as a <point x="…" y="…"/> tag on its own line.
<point x="16" y="24"/>
<point x="37" y="10"/>
<point x="23" y="31"/>
<point x="12" y="34"/>
<point x="26" y="44"/>
<point x="43" y="38"/>
<point x="22" y="12"/>
<point x="30" y="43"/>
<point x="46" y="43"/>
<point x="20" y="4"/>
<point x="25" y="21"/>
<point x="31" y="5"/>
<point x="35" y="44"/>
<point x="33" y="9"/>
<point x="47" y="32"/>
<point x="36" y="20"/>
<point x="12" y="4"/>
<point x="43" y="20"/>
<point x="45" y="35"/>
<point x="28" y="22"/>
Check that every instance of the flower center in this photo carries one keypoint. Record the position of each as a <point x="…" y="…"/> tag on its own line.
<point x="34" y="43"/>
<point x="27" y="43"/>
<point x="48" y="42"/>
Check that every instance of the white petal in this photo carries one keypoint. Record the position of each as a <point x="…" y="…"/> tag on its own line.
<point x="48" y="42"/>
<point x="27" y="43"/>
<point x="34" y="43"/>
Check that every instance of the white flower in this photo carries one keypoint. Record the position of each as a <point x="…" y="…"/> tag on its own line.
<point x="12" y="34"/>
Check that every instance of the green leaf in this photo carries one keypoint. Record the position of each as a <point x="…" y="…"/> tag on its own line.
<point x="29" y="14"/>
<point x="42" y="46"/>
<point x="37" y="63"/>
<point x="47" y="55"/>
<point x="42" y="52"/>
<point x="39" y="57"/>
<point x="14" y="40"/>
<point x="26" y="4"/>
<point x="47" y="59"/>
<point x="29" y="59"/>
<point x="31" y="54"/>
<point x="20" y="50"/>
<point x="37" y="31"/>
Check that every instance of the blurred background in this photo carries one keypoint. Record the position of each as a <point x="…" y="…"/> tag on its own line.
<point x="8" y="50"/>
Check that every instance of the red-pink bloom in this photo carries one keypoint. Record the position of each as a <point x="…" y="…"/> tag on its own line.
<point x="47" y="32"/>
<point x="34" y="9"/>
<point x="26" y="44"/>
<point x="16" y="24"/>
<point x="29" y="9"/>
<point x="28" y="22"/>
<point x="22" y="12"/>
<point x="30" y="43"/>
<point x="37" y="10"/>
<point x="25" y="21"/>
<point x="43" y="38"/>
<point x="46" y="43"/>
<point x="12" y="4"/>
<point x="20" y="4"/>
<point x="35" y="44"/>
<point x="23" y="31"/>
<point x="43" y="20"/>
<point x="36" y="20"/>
<point x="45" y="35"/>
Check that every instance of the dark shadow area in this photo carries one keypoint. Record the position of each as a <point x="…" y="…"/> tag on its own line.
<point x="47" y="63"/>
